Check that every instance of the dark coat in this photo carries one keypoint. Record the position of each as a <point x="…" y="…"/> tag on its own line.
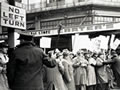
<point x="115" y="65"/>
<point x="25" y="67"/>
<point x="116" y="69"/>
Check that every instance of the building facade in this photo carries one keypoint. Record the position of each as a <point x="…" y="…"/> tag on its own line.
<point x="50" y="14"/>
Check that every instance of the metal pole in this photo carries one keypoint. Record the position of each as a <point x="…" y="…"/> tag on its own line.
<point x="11" y="30"/>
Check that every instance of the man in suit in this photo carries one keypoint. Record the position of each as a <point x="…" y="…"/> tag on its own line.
<point x="24" y="69"/>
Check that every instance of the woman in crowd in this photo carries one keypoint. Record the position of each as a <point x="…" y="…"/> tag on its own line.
<point x="54" y="76"/>
<point x="101" y="73"/>
<point x="3" y="61"/>
<point x="80" y="73"/>
<point x="68" y="71"/>
<point x="91" y="71"/>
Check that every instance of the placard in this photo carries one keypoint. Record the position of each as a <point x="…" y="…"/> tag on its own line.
<point x="45" y="42"/>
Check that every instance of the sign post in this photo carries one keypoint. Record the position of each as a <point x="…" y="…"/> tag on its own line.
<point x="13" y="18"/>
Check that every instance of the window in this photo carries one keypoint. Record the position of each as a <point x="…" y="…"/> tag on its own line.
<point x="60" y="0"/>
<point x="51" y="1"/>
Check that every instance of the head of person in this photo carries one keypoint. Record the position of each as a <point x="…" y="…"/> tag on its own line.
<point x="59" y="55"/>
<point x="80" y="53"/>
<point x="4" y="47"/>
<point x="87" y="55"/>
<point x="101" y="55"/>
<point x="113" y="53"/>
<point x="94" y="55"/>
<point x="25" y="37"/>
<point x="71" y="54"/>
<point x="65" y="54"/>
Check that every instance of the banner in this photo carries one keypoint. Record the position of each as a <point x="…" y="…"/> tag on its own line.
<point x="112" y="40"/>
<point x="95" y="44"/>
<point x="104" y="42"/>
<point x="80" y="42"/>
<point x="115" y="44"/>
<point x="75" y="43"/>
<point x="45" y="42"/>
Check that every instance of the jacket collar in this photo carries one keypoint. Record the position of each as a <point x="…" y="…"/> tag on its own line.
<point x="27" y="43"/>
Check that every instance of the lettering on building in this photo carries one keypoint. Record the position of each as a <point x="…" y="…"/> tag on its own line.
<point x="79" y="29"/>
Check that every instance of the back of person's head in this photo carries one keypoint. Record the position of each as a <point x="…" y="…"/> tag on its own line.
<point x="94" y="55"/>
<point x="25" y="37"/>
<point x="65" y="54"/>
<point x="100" y="53"/>
<point x="3" y="46"/>
<point x="113" y="53"/>
<point x="58" y="54"/>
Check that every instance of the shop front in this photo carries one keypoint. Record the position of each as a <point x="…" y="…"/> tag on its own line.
<point x="65" y="39"/>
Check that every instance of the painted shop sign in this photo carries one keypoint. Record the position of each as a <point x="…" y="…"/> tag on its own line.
<point x="12" y="16"/>
<point x="79" y="29"/>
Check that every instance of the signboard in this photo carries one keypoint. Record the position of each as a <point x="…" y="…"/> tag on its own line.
<point x="77" y="29"/>
<point x="12" y="16"/>
<point x="45" y="42"/>
<point x="115" y="44"/>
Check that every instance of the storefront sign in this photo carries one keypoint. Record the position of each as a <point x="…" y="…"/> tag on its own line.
<point x="12" y="16"/>
<point x="78" y="29"/>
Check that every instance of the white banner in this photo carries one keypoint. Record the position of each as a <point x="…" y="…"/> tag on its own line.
<point x="112" y="40"/>
<point x="75" y="43"/>
<point x="104" y="42"/>
<point x="115" y="44"/>
<point x="80" y="42"/>
<point x="45" y="42"/>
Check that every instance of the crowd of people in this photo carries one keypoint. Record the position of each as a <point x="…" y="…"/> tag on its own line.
<point x="84" y="70"/>
<point x="29" y="68"/>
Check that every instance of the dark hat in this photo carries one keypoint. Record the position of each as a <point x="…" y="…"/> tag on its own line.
<point x="58" y="54"/>
<point x="65" y="54"/>
<point x="25" y="36"/>
<point x="100" y="53"/>
<point x="113" y="52"/>
<point x="3" y="44"/>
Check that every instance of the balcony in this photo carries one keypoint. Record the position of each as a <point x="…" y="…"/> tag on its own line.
<point x="44" y="6"/>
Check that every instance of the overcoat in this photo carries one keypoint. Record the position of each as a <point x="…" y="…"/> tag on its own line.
<point x="25" y="67"/>
<point x="80" y="72"/>
<point x="116" y="68"/>
<point x="101" y="72"/>
<point x="55" y="77"/>
<point x="68" y="75"/>
<point x="91" y="72"/>
<point x="3" y="79"/>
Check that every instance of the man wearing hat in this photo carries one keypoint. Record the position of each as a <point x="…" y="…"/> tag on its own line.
<point x="25" y="66"/>
<point x="3" y="61"/>
<point x="115" y="65"/>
